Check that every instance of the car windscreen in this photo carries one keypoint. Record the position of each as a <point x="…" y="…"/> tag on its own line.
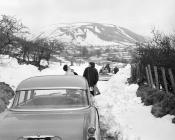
<point x="55" y="99"/>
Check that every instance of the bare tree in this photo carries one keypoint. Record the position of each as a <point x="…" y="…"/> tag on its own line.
<point x="10" y="30"/>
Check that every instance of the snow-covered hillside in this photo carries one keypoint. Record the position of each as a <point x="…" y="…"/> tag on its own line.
<point x="92" y="34"/>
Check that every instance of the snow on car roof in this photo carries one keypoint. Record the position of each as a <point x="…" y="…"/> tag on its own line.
<point x="53" y="82"/>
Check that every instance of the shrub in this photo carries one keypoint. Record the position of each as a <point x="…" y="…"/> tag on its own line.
<point x="173" y="120"/>
<point x="158" y="111"/>
<point x="163" y="103"/>
<point x="168" y="104"/>
<point x="165" y="106"/>
<point x="142" y="89"/>
<point x="2" y="105"/>
<point x="148" y="95"/>
<point x="154" y="97"/>
<point x="6" y="93"/>
<point x="172" y="112"/>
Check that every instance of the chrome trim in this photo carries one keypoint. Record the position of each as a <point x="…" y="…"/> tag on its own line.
<point x="43" y="110"/>
<point x="49" y="88"/>
<point x="38" y="136"/>
<point x="41" y="136"/>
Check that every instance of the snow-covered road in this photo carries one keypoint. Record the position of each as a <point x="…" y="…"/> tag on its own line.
<point x="121" y="111"/>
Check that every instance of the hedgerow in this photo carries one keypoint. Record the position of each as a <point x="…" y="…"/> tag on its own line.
<point x="159" y="52"/>
<point x="162" y="103"/>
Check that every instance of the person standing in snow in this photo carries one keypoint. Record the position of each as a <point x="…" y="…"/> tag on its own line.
<point x="91" y="75"/>
<point x="116" y="69"/>
<point x="67" y="70"/>
<point x="108" y="68"/>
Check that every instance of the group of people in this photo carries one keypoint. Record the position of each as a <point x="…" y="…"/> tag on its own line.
<point x="90" y="74"/>
<point x="106" y="69"/>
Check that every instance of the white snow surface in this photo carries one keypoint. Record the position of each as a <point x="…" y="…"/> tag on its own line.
<point x="121" y="30"/>
<point x="126" y="116"/>
<point x="91" y="38"/>
<point x="119" y="108"/>
<point x="97" y="30"/>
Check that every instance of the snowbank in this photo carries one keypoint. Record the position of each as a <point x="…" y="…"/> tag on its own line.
<point x="125" y="115"/>
<point x="12" y="73"/>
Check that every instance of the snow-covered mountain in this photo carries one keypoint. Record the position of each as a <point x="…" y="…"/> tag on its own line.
<point x="92" y="34"/>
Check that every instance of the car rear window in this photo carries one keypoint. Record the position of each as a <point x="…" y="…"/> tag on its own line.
<point x="57" y="98"/>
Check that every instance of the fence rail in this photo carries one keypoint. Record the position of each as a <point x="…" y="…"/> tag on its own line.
<point x="159" y="78"/>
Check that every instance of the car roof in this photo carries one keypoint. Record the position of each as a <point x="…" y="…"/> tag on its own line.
<point x="53" y="82"/>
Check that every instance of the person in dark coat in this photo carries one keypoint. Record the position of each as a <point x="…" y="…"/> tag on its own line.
<point x="91" y="75"/>
<point x="108" y="68"/>
<point x="115" y="69"/>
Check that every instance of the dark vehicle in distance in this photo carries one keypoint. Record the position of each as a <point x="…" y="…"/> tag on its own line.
<point x="51" y="108"/>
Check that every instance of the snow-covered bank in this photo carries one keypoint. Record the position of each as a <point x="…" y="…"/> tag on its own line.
<point x="126" y="116"/>
<point x="12" y="73"/>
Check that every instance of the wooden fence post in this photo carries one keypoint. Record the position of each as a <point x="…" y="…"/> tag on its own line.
<point x="151" y="78"/>
<point x="164" y="79"/>
<point x="156" y="77"/>
<point x="138" y="71"/>
<point x="147" y="75"/>
<point x="172" y="79"/>
<point x="133" y="72"/>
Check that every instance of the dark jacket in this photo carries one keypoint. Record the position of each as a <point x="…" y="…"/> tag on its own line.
<point x="91" y="75"/>
<point x="116" y="70"/>
<point x="108" y="68"/>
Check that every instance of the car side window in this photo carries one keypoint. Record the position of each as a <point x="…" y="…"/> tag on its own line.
<point x="15" y="102"/>
<point x="29" y="95"/>
<point x="32" y="94"/>
<point x="21" y="97"/>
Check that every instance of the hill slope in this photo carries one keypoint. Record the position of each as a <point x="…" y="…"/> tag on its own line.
<point x="86" y="34"/>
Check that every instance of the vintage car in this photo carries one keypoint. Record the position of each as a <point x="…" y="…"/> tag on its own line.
<point x="105" y="76"/>
<point x="51" y="108"/>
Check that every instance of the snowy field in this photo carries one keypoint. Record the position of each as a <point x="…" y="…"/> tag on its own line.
<point x="120" y="110"/>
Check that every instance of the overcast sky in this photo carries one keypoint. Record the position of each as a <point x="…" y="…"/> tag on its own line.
<point x="138" y="15"/>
